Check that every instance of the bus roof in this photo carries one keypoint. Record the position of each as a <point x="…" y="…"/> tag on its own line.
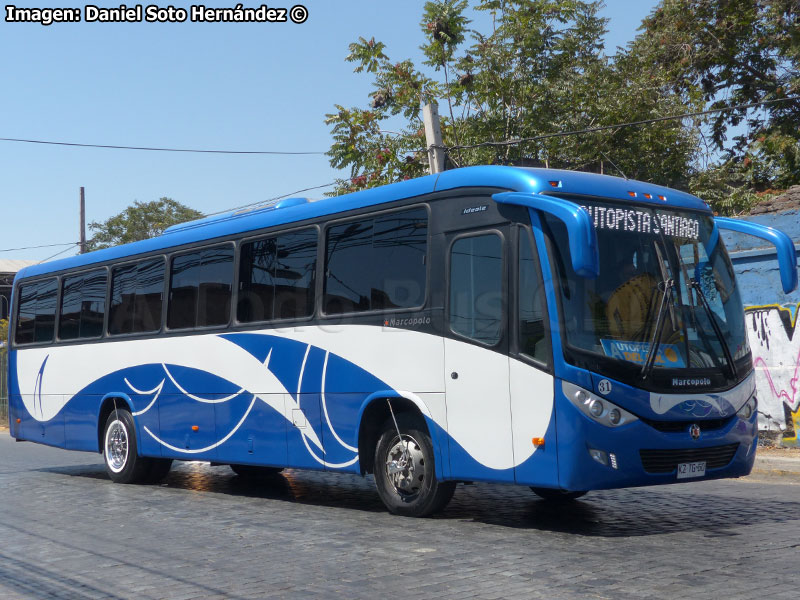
<point x="295" y="209"/>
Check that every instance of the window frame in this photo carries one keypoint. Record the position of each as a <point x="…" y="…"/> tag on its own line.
<point x="109" y="293"/>
<point x="504" y="325"/>
<point x="12" y="337"/>
<point x="235" y="322"/>
<point x="67" y="274"/>
<point x="521" y="232"/>
<point x="373" y="215"/>
<point x="168" y="286"/>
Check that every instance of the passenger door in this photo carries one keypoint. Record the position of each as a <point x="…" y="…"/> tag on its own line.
<point x="476" y="355"/>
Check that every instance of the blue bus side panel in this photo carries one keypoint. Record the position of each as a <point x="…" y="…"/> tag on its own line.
<point x="80" y="422"/>
<point x="302" y="452"/>
<point x="541" y="469"/>
<point x="261" y="438"/>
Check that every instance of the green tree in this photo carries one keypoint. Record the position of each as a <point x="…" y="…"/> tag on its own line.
<point x="725" y="54"/>
<point x="140" y="221"/>
<point x="3" y="332"/>
<point x="540" y="69"/>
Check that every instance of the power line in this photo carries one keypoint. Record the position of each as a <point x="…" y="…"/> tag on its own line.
<point x="42" y="246"/>
<point x="155" y="149"/>
<point x="617" y="126"/>
<point x="56" y="254"/>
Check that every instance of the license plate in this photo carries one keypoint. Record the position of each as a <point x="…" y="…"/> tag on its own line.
<point x="693" y="469"/>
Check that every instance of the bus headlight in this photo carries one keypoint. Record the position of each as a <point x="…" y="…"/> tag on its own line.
<point x="598" y="409"/>
<point x="748" y="409"/>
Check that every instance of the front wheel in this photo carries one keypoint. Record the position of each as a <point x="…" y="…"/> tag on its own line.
<point x="405" y="470"/>
<point x="123" y="463"/>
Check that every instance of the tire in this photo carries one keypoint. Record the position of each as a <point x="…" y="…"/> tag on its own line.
<point x="120" y="450"/>
<point x="255" y="472"/>
<point x="159" y="468"/>
<point x="554" y="495"/>
<point x="409" y="488"/>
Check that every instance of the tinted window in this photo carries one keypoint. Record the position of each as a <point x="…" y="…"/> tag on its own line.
<point x="276" y="277"/>
<point x="136" y="297"/>
<point x="476" y="288"/>
<point x="377" y="264"/>
<point x="83" y="301"/>
<point x="200" y="288"/>
<point x="532" y="337"/>
<point x="37" y="312"/>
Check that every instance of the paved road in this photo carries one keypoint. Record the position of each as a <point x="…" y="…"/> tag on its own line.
<point x="67" y="532"/>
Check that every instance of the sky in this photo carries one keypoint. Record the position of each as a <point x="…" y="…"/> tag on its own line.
<point x="230" y="86"/>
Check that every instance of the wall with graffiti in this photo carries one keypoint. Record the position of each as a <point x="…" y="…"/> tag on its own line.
<point x="773" y="329"/>
<point x="775" y="341"/>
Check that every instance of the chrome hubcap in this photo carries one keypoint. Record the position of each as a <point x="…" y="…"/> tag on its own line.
<point x="405" y="466"/>
<point x="116" y="446"/>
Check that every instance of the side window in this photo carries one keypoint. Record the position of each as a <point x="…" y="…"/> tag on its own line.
<point x="83" y="305"/>
<point x="532" y="336"/>
<point x="377" y="263"/>
<point x="36" y="316"/>
<point x="137" y="292"/>
<point x="276" y="277"/>
<point x="476" y="288"/>
<point x="200" y="288"/>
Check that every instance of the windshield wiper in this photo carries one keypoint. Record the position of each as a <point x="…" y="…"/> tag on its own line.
<point x="695" y="285"/>
<point x="668" y="284"/>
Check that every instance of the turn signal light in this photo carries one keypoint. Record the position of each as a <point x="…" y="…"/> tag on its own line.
<point x="195" y="428"/>
<point x="538" y="441"/>
<point x="554" y="183"/>
<point x="19" y="421"/>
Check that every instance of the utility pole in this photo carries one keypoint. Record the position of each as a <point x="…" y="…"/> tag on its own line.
<point x="83" y="222"/>
<point x="433" y="137"/>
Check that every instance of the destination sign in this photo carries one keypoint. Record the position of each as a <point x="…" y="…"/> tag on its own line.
<point x="652" y="222"/>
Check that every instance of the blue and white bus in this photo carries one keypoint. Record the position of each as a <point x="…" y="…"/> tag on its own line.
<point x="559" y="330"/>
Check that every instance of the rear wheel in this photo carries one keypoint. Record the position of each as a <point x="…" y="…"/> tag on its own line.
<point x="554" y="495"/>
<point x="405" y="470"/>
<point x="120" y="451"/>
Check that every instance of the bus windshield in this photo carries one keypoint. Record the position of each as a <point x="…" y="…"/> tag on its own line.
<point x="652" y="260"/>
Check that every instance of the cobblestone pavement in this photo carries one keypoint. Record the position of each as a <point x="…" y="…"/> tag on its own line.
<point x="67" y="532"/>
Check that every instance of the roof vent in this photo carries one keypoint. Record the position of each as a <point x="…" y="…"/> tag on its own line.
<point x="261" y="208"/>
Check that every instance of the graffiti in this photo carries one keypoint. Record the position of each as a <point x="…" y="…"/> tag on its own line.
<point x="776" y="357"/>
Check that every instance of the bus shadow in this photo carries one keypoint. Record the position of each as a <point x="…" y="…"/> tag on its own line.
<point x="629" y="512"/>
<point x="608" y="513"/>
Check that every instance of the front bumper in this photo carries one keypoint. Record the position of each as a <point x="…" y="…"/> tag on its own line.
<point x="578" y="434"/>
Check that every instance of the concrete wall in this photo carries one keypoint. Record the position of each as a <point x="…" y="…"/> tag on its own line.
<point x="772" y="318"/>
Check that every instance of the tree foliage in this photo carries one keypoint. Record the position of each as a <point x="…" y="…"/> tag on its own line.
<point x="733" y="53"/>
<point x="140" y="221"/>
<point x="541" y="68"/>
<point x="3" y="334"/>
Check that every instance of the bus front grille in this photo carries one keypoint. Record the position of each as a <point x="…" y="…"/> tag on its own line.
<point x="666" y="461"/>
<point x="683" y="426"/>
